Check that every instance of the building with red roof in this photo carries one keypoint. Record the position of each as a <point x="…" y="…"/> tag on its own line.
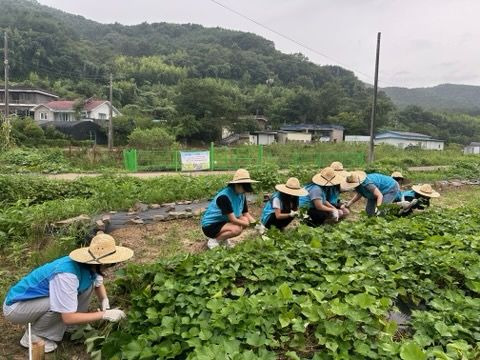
<point x="68" y="110"/>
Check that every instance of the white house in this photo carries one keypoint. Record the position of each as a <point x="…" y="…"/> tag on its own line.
<point x="262" y="137"/>
<point x="403" y="140"/>
<point x="357" y="138"/>
<point x="472" y="149"/>
<point x="64" y="110"/>
<point x="284" y="137"/>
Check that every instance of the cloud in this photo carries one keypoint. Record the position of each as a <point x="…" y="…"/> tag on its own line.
<point x="422" y="41"/>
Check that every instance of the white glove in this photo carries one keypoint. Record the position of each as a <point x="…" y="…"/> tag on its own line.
<point x="336" y="215"/>
<point x="404" y="204"/>
<point x="114" y="315"/>
<point x="105" y="304"/>
<point x="98" y="280"/>
<point x="294" y="213"/>
<point x="377" y="212"/>
<point x="260" y="229"/>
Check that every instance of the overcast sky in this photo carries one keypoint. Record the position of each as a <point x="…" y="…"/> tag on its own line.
<point x="424" y="42"/>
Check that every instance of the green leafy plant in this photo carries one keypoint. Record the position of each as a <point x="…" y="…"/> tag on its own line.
<point x="312" y="294"/>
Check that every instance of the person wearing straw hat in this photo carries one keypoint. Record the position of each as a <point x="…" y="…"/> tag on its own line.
<point x="227" y="214"/>
<point x="57" y="294"/>
<point x="378" y="189"/>
<point x="416" y="199"/>
<point x="339" y="169"/>
<point x="398" y="177"/>
<point x="282" y="207"/>
<point x="319" y="208"/>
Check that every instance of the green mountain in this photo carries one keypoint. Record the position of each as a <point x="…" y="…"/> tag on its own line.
<point x="445" y="97"/>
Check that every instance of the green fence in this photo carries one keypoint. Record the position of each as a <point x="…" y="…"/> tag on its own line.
<point x="231" y="158"/>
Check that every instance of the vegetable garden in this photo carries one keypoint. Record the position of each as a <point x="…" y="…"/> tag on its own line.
<point x="326" y="293"/>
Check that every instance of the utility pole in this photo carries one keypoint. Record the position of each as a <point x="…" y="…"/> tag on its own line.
<point x="371" y="155"/>
<point x="110" y="119"/>
<point x="5" y="47"/>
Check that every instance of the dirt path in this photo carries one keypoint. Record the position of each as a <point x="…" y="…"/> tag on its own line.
<point x="141" y="175"/>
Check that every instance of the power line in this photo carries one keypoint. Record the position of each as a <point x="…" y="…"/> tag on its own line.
<point x="290" y="39"/>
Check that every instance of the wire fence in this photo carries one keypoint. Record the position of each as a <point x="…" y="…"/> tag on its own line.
<point x="232" y="158"/>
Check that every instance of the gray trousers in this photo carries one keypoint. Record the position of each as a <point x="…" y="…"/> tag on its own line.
<point x="388" y="198"/>
<point x="45" y="323"/>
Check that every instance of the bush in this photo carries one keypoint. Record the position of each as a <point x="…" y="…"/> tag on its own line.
<point x="155" y="138"/>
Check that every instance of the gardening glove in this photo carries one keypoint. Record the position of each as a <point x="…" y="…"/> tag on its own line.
<point x="114" y="315"/>
<point x="98" y="280"/>
<point x="294" y="213"/>
<point x="404" y="204"/>
<point x="105" y="304"/>
<point x="378" y="212"/>
<point x="260" y="228"/>
<point x="336" y="215"/>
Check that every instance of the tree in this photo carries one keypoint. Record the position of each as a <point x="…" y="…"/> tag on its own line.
<point x="155" y="138"/>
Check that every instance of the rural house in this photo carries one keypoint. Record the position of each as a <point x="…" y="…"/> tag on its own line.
<point x="323" y="133"/>
<point x="404" y="140"/>
<point x="22" y="99"/>
<point x="65" y="110"/>
<point x="472" y="149"/>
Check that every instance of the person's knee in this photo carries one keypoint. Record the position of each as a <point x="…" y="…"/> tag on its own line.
<point x="237" y="230"/>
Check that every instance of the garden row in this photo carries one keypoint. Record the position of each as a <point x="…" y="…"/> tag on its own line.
<point x="321" y="293"/>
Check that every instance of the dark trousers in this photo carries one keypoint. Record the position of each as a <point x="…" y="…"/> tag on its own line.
<point x="316" y="217"/>
<point x="279" y="224"/>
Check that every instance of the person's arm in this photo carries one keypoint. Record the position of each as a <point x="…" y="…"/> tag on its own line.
<point x="281" y="216"/>
<point x="234" y="220"/>
<point x="246" y="213"/>
<point x="353" y="200"/>
<point x="81" y="318"/>
<point x="319" y="205"/>
<point x="63" y="295"/>
<point x="378" y="197"/>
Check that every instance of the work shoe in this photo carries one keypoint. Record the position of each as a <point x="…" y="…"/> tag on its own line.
<point x="212" y="243"/>
<point x="49" y="344"/>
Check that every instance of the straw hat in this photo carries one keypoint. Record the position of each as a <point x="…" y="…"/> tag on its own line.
<point x="397" y="174"/>
<point x="338" y="167"/>
<point x="353" y="180"/>
<point x="328" y="177"/>
<point x="292" y="187"/>
<point x="102" y="250"/>
<point x="242" y="176"/>
<point x="425" y="190"/>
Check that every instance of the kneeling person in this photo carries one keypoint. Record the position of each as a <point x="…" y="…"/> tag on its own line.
<point x="319" y="208"/>
<point x="282" y="208"/>
<point x="227" y="214"/>
<point x="58" y="293"/>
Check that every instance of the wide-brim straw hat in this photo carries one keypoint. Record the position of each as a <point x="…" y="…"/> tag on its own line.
<point x="102" y="250"/>
<point x="242" y="176"/>
<point x="292" y="187"/>
<point x="397" y="175"/>
<point x="353" y="180"/>
<point x="425" y="190"/>
<point x="328" y="177"/>
<point x="339" y="169"/>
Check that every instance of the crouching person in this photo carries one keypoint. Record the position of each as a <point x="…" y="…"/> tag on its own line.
<point x="282" y="207"/>
<point x="378" y="189"/>
<point x="319" y="208"/>
<point x="416" y="199"/>
<point x="227" y="214"/>
<point x="57" y="294"/>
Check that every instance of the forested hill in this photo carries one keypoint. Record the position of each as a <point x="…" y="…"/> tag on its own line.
<point x="171" y="71"/>
<point x="445" y="97"/>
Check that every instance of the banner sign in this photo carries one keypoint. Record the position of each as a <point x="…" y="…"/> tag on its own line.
<point x="195" y="160"/>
